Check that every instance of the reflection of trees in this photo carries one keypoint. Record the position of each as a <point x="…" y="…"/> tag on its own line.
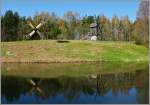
<point x="102" y="86"/>
<point x="143" y="95"/>
<point x="51" y="87"/>
<point x="71" y="87"/>
<point x="125" y="82"/>
<point x="143" y="92"/>
<point x="13" y="87"/>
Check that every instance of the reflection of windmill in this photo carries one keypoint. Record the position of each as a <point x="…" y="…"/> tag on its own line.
<point x="35" y="87"/>
<point x="35" y="34"/>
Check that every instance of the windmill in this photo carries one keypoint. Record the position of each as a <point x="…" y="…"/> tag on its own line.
<point x="35" y="34"/>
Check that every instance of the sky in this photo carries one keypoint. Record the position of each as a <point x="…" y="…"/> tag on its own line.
<point x="83" y="7"/>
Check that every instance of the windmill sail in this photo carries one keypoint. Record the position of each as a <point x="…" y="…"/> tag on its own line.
<point x="35" y="30"/>
<point x="39" y="34"/>
<point x="31" y="26"/>
<point x="38" y="26"/>
<point x="31" y="33"/>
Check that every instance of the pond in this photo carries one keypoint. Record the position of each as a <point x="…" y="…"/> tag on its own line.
<point x="94" y="83"/>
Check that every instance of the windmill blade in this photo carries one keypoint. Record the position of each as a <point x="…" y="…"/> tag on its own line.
<point x="39" y="34"/>
<point x="39" y="25"/>
<point x="39" y="82"/>
<point x="31" y="33"/>
<point x="31" y="91"/>
<point x="31" y="82"/>
<point x="41" y="92"/>
<point x="30" y="24"/>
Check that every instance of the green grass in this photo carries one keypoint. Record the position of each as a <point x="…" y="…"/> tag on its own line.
<point x="72" y="51"/>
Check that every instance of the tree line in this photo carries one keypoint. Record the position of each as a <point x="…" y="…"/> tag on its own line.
<point x="73" y="26"/>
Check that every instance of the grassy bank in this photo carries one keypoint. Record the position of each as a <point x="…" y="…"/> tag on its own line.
<point x="71" y="51"/>
<point x="44" y="70"/>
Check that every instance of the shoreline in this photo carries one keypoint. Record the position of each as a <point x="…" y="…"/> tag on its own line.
<point x="80" y="61"/>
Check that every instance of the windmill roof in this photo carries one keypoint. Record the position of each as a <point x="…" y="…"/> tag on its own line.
<point x="93" y="25"/>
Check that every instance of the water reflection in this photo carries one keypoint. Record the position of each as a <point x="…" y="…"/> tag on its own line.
<point x="129" y="87"/>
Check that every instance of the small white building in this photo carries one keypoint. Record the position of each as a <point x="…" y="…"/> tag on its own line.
<point x="94" y="38"/>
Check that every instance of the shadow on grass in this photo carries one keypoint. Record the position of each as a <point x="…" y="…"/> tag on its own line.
<point x="63" y="41"/>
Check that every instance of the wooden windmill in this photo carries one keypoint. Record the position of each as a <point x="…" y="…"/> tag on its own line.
<point x="35" y="34"/>
<point x="94" y="29"/>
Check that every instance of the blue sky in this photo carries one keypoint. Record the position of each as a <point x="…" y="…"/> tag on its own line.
<point x="83" y="7"/>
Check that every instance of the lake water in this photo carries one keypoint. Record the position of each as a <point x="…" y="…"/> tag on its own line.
<point x="101" y="83"/>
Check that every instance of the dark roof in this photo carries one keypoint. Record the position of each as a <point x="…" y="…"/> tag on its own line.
<point x="93" y="25"/>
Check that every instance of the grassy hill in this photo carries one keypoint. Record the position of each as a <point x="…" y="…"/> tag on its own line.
<point x="72" y="51"/>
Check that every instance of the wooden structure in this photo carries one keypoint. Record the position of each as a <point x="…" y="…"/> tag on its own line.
<point x="35" y="34"/>
<point x="93" y="34"/>
<point x="94" y="29"/>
